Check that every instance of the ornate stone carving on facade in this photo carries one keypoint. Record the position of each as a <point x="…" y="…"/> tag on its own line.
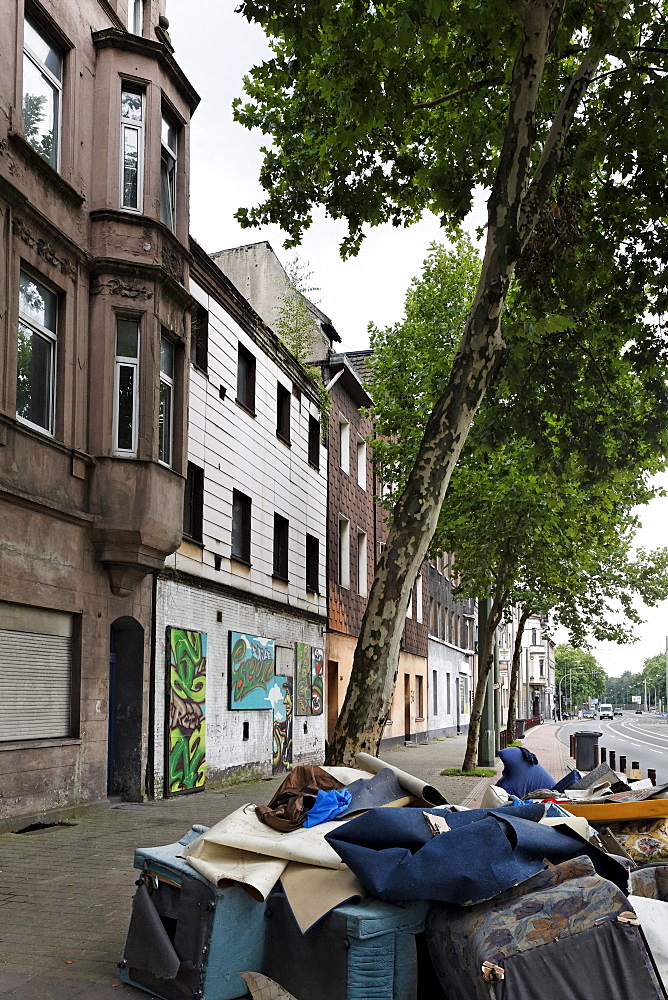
<point x="43" y="248"/>
<point x="117" y="287"/>
<point x="173" y="264"/>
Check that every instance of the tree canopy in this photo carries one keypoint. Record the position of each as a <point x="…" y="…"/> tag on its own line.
<point x="578" y="675"/>
<point x="380" y="111"/>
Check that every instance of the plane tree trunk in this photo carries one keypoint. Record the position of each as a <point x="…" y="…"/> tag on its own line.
<point x="515" y="676"/>
<point x="515" y="202"/>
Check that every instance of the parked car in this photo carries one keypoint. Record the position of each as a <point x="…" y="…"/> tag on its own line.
<point x="589" y="713"/>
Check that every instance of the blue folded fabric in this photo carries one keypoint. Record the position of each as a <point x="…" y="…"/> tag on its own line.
<point x="395" y="855"/>
<point x="520" y="776"/>
<point x="567" y="781"/>
<point x="328" y="805"/>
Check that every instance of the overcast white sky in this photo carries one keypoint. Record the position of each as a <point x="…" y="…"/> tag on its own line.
<point x="216" y="47"/>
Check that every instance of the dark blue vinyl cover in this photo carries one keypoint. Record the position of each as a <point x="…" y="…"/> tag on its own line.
<point x="395" y="855"/>
<point x="520" y="776"/>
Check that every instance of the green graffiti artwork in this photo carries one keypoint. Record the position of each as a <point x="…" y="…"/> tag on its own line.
<point x="252" y="661"/>
<point x="187" y="710"/>
<point x="303" y="675"/>
<point x="280" y="694"/>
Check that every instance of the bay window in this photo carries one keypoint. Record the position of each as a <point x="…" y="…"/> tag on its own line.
<point x="132" y="148"/>
<point x="42" y="93"/>
<point x="36" y="357"/>
<point x="168" y="173"/>
<point x="166" y="411"/>
<point x="126" y="388"/>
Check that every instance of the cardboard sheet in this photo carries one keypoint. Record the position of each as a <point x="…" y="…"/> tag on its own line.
<point x="416" y="787"/>
<point x="313" y="892"/>
<point x="242" y="849"/>
<point x="653" y="917"/>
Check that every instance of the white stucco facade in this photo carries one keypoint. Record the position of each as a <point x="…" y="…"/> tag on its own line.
<point x="203" y="588"/>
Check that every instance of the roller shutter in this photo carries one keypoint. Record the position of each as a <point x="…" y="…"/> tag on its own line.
<point x="35" y="673"/>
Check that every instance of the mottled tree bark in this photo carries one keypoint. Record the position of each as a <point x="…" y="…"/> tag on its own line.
<point x="515" y="675"/>
<point x="513" y="207"/>
<point x="485" y="663"/>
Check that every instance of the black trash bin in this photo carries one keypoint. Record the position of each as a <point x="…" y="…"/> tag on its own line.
<point x="520" y="732"/>
<point x="584" y="749"/>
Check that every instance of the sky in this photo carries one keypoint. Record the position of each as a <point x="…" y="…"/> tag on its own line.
<point x="216" y="47"/>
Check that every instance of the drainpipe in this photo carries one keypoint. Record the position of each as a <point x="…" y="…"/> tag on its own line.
<point x="487" y="732"/>
<point x="150" y="756"/>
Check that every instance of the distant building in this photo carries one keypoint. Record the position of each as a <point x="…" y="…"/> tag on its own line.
<point x="452" y="639"/>
<point x="538" y="680"/>
<point x="94" y="335"/>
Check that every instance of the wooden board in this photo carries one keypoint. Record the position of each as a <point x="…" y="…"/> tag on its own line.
<point x="615" y="812"/>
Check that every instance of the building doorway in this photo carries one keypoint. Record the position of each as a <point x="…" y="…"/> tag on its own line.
<point x="126" y="692"/>
<point x="332" y="697"/>
<point x="407" y="707"/>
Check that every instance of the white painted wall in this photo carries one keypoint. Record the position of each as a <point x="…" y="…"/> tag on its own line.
<point x="239" y="451"/>
<point x="187" y="607"/>
<point x="447" y="661"/>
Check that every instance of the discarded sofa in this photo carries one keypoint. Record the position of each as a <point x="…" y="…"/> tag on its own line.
<point x="567" y="933"/>
<point x="359" y="951"/>
<point x="187" y="938"/>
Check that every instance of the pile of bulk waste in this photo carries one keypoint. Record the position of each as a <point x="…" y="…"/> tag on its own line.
<point x="365" y="884"/>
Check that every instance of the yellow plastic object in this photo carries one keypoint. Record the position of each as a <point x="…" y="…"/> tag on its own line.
<point x="615" y="812"/>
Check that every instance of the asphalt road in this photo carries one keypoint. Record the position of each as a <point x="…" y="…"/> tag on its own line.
<point x="643" y="738"/>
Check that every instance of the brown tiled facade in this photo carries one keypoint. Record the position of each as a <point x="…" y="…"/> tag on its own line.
<point x="355" y="505"/>
<point x="92" y="450"/>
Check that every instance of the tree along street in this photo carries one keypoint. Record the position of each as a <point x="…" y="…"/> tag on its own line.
<point x="379" y="112"/>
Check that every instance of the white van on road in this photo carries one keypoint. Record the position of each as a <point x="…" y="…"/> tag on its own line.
<point x="605" y="712"/>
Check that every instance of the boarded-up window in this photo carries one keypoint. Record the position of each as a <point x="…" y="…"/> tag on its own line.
<point x="36" y="698"/>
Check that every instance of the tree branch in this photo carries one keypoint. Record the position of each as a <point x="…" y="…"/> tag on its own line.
<point x="472" y="87"/>
<point x="553" y="147"/>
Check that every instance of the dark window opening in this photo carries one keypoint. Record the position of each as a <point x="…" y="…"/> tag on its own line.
<point x="217" y="564"/>
<point x="281" y="531"/>
<point x="246" y="732"/>
<point x="312" y="564"/>
<point x="314" y="442"/>
<point x="193" y="503"/>
<point x="246" y="379"/>
<point x="199" y="339"/>
<point x="241" y="527"/>
<point x="283" y="413"/>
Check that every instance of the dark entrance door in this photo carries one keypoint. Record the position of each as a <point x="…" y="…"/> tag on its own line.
<point x="126" y="688"/>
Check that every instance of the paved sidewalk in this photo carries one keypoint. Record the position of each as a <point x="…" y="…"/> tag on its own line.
<point x="66" y="891"/>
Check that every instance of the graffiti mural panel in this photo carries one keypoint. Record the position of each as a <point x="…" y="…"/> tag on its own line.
<point x="187" y="710"/>
<point x="317" y="676"/>
<point x="252" y="666"/>
<point x="280" y="696"/>
<point x="303" y="679"/>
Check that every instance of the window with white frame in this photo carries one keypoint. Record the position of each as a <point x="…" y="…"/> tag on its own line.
<point x="166" y="411"/>
<point x="344" y="445"/>
<point x="136" y="16"/>
<point x="361" y="563"/>
<point x="169" y="139"/>
<point x="126" y="388"/>
<point x="344" y="552"/>
<point x="42" y="93"/>
<point x="361" y="463"/>
<point x="132" y="148"/>
<point x="36" y="354"/>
